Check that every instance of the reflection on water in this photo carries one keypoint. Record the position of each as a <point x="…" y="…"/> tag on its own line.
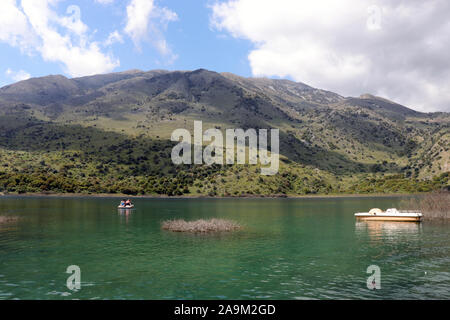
<point x="391" y="230"/>
<point x="125" y="214"/>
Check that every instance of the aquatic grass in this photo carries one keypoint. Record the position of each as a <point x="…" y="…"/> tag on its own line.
<point x="435" y="205"/>
<point x="6" y="219"/>
<point x="200" y="226"/>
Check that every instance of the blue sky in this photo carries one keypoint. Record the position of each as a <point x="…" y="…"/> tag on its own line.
<point x="394" y="49"/>
<point x="193" y="43"/>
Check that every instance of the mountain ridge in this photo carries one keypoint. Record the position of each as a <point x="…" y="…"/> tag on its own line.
<point x="347" y="139"/>
<point x="89" y="82"/>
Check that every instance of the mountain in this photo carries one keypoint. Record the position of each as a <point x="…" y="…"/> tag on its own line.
<point x="111" y="133"/>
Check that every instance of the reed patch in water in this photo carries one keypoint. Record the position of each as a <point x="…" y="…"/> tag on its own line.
<point x="435" y="205"/>
<point x="200" y="226"/>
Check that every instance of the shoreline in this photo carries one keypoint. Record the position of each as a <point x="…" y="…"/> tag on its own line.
<point x="112" y="195"/>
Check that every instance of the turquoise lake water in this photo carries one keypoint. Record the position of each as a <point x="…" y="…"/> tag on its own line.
<point x="288" y="249"/>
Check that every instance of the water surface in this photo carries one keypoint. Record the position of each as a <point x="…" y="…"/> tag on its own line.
<point x="288" y="249"/>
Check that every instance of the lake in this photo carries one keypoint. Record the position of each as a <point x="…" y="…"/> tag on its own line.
<point x="288" y="249"/>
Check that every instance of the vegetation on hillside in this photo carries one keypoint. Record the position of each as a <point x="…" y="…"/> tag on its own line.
<point x="110" y="134"/>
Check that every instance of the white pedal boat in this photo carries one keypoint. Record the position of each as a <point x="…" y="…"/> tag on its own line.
<point x="389" y="215"/>
<point x="126" y="207"/>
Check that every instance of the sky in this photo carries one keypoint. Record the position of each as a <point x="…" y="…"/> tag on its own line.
<point x="398" y="50"/>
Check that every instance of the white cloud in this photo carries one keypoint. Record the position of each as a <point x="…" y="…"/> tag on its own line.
<point x="72" y="22"/>
<point x="114" y="37"/>
<point x="35" y="27"/>
<point x="104" y="1"/>
<point x="145" y="22"/>
<point x="14" y="27"/>
<point x="397" y="49"/>
<point x="17" y="76"/>
<point x="138" y="18"/>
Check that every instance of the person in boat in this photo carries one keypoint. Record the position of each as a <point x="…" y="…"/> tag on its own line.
<point x="128" y="203"/>
<point x="122" y="203"/>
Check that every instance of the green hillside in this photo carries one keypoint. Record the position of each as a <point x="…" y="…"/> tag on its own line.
<point x="111" y="134"/>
